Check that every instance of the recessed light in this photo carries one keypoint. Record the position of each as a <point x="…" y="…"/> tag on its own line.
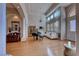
<point x="15" y="17"/>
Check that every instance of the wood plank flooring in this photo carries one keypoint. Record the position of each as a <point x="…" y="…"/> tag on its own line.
<point x="31" y="47"/>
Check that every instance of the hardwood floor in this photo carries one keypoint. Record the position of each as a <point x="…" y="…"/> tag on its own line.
<point x="32" y="47"/>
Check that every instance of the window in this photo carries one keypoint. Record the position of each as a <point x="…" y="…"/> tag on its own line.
<point x="52" y="21"/>
<point x="52" y="16"/>
<point x="73" y="25"/>
<point x="57" y="13"/>
<point x="52" y="28"/>
<point x="56" y="26"/>
<point x="48" y="19"/>
<point x="48" y="27"/>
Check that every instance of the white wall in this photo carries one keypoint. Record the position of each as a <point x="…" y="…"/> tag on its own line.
<point x="43" y="23"/>
<point x="63" y="23"/>
<point x="2" y="29"/>
<point x="36" y="22"/>
<point x="33" y="21"/>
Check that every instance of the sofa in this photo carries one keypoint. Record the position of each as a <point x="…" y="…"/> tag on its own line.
<point x="51" y="35"/>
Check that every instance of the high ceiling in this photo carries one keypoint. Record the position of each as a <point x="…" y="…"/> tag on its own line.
<point x="36" y="10"/>
<point x="33" y="9"/>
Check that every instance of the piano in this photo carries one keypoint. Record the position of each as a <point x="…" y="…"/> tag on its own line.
<point x="37" y="35"/>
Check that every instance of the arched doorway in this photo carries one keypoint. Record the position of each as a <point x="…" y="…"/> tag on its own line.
<point x="14" y="21"/>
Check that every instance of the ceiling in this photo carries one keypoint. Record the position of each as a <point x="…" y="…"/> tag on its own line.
<point x="40" y="8"/>
<point x="36" y="10"/>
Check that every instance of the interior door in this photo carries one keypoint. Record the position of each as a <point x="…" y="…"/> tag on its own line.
<point x="31" y="30"/>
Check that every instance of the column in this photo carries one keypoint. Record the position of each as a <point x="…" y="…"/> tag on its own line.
<point x="2" y="29"/>
<point x="63" y="23"/>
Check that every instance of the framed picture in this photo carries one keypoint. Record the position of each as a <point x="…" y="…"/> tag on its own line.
<point x="15" y="25"/>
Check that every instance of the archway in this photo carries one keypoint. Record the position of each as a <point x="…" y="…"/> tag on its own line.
<point x="15" y="16"/>
<point x="17" y="13"/>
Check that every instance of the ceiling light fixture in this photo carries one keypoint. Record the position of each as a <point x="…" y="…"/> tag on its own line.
<point x="15" y="17"/>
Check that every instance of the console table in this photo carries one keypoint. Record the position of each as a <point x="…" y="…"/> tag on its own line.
<point x="13" y="37"/>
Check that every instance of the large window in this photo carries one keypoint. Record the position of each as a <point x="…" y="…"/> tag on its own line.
<point x="53" y="21"/>
<point x="56" y="26"/>
<point x="48" y="19"/>
<point x="73" y="25"/>
<point x="52" y="16"/>
<point x="57" y="13"/>
<point x="48" y="27"/>
<point x="52" y="27"/>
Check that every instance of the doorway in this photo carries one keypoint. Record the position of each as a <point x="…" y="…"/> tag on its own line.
<point x="31" y="29"/>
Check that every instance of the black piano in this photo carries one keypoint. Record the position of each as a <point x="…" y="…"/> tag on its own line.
<point x="37" y="35"/>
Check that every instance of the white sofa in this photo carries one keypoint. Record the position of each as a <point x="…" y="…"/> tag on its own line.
<point x="51" y="35"/>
